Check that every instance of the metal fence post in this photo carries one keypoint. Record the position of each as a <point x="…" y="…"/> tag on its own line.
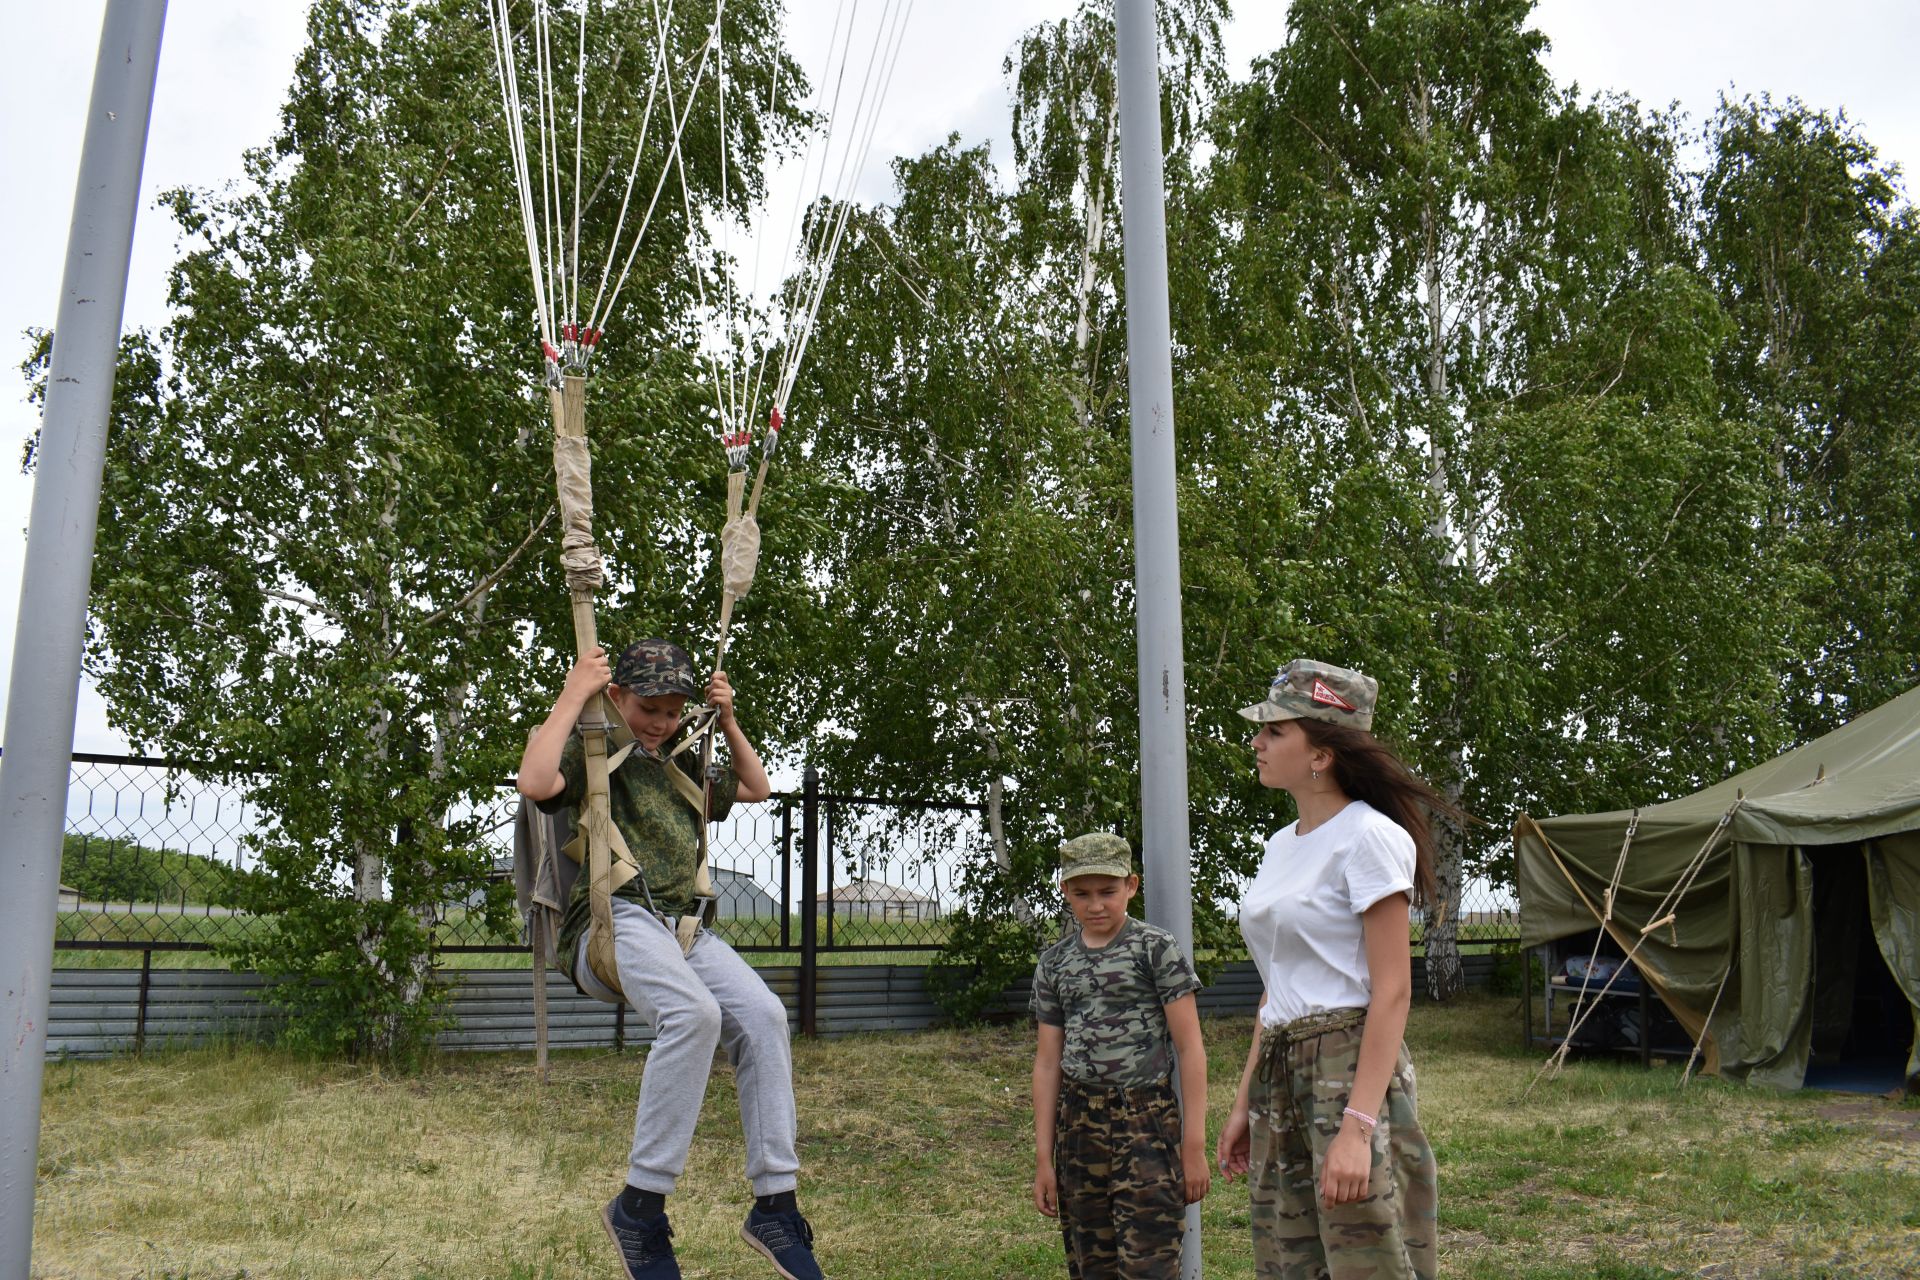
<point x="140" y="1017"/>
<point x="786" y="871"/>
<point x="809" y="900"/>
<point x="833" y="829"/>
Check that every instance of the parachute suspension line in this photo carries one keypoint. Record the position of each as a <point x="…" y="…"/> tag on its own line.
<point x="504" y="66"/>
<point x="549" y="158"/>
<point x="660" y="72"/>
<point x="836" y="44"/>
<point x="773" y="93"/>
<point x="579" y="119"/>
<point x="851" y="176"/>
<point x="726" y="219"/>
<point x="553" y="231"/>
<point x="673" y="164"/>
<point x="799" y="232"/>
<point x="699" y="283"/>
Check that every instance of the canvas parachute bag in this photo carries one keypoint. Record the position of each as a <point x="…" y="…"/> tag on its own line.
<point x="569" y="333"/>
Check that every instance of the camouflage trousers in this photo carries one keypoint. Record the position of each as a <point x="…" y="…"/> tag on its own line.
<point x="1299" y="1094"/>
<point x="1123" y="1204"/>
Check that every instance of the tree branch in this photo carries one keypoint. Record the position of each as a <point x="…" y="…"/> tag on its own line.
<point x="485" y="584"/>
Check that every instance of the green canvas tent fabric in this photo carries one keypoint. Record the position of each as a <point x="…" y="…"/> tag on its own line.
<point x="1742" y="942"/>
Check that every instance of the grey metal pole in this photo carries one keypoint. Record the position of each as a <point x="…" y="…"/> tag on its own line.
<point x="1156" y="514"/>
<point x="53" y="590"/>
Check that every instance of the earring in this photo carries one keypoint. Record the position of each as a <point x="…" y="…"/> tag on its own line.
<point x="1316" y="775"/>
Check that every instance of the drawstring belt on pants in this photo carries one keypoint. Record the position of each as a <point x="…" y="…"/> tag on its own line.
<point x="1276" y="1043"/>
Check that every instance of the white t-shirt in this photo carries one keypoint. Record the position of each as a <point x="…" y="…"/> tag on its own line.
<point x="1301" y="915"/>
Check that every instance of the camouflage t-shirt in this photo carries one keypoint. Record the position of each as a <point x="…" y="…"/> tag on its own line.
<point x="660" y="827"/>
<point x="1112" y="1003"/>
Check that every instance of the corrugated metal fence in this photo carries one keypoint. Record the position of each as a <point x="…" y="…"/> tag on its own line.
<point x="99" y="1012"/>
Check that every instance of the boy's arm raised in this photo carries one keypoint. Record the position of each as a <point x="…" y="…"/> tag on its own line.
<point x="1046" y="1103"/>
<point x="539" y="777"/>
<point x="754" y="784"/>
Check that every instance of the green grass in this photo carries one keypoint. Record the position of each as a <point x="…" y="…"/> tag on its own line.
<point x="917" y="1154"/>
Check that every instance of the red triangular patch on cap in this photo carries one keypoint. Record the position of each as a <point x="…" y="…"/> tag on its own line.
<point x="1325" y="695"/>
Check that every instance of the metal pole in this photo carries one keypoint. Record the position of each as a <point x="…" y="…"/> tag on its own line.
<point x="1156" y="515"/>
<point x="51" y="630"/>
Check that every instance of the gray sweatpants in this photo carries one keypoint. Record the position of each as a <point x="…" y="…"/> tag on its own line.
<point x="694" y="1002"/>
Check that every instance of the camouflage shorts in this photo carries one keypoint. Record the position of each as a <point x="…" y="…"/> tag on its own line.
<point x="1123" y="1203"/>
<point x="1298" y="1097"/>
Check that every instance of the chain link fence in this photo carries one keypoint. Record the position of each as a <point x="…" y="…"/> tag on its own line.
<point x="155" y="856"/>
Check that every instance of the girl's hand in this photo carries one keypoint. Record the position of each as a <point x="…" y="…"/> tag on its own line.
<point x="1349" y="1167"/>
<point x="1234" y="1150"/>
<point x="720" y="698"/>
<point x="589" y="676"/>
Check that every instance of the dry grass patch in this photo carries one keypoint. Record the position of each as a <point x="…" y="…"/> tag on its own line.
<point x="245" y="1162"/>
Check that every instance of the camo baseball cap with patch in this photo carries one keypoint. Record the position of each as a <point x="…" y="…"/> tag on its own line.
<point x="1100" y="854"/>
<point x="1308" y="690"/>
<point x="654" y="668"/>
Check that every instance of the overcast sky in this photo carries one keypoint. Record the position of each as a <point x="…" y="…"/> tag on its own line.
<point x="226" y="63"/>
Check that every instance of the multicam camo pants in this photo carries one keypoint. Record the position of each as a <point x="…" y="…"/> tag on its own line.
<point x="1298" y="1097"/>
<point x="1122" y="1190"/>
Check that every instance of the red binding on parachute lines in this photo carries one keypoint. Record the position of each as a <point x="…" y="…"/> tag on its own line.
<point x="773" y="420"/>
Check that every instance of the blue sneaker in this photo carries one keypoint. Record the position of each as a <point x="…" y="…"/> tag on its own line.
<point x="645" y="1244"/>
<point x="786" y="1240"/>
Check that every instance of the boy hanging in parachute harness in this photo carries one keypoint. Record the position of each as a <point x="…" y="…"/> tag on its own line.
<point x="697" y="995"/>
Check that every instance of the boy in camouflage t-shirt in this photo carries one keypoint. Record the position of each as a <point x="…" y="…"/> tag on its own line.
<point x="1114" y="1003"/>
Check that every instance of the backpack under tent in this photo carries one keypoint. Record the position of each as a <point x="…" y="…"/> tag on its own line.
<point x="1785" y="900"/>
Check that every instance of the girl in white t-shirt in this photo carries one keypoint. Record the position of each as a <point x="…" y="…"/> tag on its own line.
<point x="1325" y="1124"/>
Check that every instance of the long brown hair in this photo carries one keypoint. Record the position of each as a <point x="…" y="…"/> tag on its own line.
<point x="1366" y="769"/>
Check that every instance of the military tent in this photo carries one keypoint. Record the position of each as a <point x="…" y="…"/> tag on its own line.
<point x="1796" y="938"/>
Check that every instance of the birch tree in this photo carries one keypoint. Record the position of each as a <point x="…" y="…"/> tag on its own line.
<point x="327" y="562"/>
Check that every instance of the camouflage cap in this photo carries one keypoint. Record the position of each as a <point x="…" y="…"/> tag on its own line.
<point x="1307" y="690"/>
<point x="653" y="668"/>
<point x="1099" y="854"/>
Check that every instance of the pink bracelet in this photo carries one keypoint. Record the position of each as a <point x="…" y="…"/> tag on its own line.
<point x="1362" y="1117"/>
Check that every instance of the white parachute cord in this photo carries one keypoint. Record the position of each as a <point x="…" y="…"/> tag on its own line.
<point x="871" y="120"/>
<point x="673" y="160"/>
<point x="511" y="109"/>
<point x="660" y="71"/>
<point x="726" y="219"/>
<point x="760" y="364"/>
<point x="579" y="118"/>
<point x="786" y="290"/>
<point x="798" y="232"/>
<point x="693" y="230"/>
<point x="822" y="234"/>
<point x="549" y="164"/>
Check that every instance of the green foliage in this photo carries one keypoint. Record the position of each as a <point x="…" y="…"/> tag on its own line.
<point x="1607" y="470"/>
<point x="105" y="869"/>
<point x="326" y="548"/>
<point x="1813" y="260"/>
<point x="985" y="954"/>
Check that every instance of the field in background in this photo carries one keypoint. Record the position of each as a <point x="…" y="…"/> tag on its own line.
<point x="917" y="1147"/>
